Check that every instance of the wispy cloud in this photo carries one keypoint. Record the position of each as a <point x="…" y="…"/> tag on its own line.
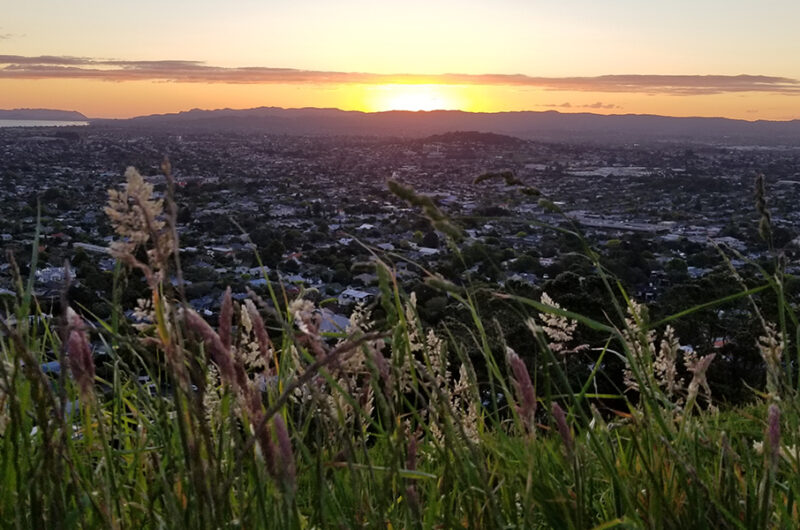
<point x="601" y="105"/>
<point x="65" y="67"/>
<point x="596" y="105"/>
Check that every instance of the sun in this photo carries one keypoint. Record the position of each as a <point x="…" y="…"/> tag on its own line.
<point x="412" y="97"/>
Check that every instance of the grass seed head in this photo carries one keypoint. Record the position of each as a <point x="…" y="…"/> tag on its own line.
<point x="526" y="394"/>
<point x="79" y="353"/>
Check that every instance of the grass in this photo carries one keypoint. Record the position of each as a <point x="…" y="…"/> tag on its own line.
<point x="263" y="422"/>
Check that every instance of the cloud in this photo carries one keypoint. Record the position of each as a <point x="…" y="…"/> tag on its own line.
<point x="66" y="67"/>
<point x="601" y="105"/>
<point x="597" y="105"/>
<point x="21" y="60"/>
<point x="4" y="36"/>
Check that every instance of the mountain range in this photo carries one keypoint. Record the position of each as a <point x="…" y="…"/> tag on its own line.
<point x="547" y="125"/>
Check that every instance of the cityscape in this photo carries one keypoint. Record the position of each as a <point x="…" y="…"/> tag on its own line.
<point x="307" y="212"/>
<point x="313" y="207"/>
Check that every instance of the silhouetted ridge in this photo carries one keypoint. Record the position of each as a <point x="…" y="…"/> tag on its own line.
<point x="549" y="125"/>
<point x="42" y="114"/>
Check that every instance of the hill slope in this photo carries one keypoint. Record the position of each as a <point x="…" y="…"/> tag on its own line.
<point x="42" y="114"/>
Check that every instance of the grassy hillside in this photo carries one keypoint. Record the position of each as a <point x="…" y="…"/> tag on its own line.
<point x="260" y="420"/>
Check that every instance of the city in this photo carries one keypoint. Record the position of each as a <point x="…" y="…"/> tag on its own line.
<point x="314" y="207"/>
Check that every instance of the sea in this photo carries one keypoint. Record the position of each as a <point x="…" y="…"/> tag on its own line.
<point x="42" y="123"/>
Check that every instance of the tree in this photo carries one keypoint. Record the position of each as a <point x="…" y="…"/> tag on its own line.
<point x="273" y="253"/>
<point x="341" y="274"/>
<point x="430" y="239"/>
<point x="677" y="270"/>
<point x="434" y="309"/>
<point x="524" y="263"/>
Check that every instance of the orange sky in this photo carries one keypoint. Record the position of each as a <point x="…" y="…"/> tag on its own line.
<point x="133" y="98"/>
<point x="701" y="58"/>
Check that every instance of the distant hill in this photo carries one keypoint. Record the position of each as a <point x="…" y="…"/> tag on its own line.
<point x="549" y="125"/>
<point x="42" y="114"/>
<point x="486" y="138"/>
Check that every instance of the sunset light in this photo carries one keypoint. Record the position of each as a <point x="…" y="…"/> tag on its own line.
<point x="584" y="57"/>
<point x="413" y="97"/>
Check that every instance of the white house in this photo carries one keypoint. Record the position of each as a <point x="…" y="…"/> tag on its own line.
<point x="354" y="296"/>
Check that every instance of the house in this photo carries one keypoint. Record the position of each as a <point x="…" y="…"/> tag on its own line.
<point x="51" y="275"/>
<point x="332" y="322"/>
<point x="354" y="296"/>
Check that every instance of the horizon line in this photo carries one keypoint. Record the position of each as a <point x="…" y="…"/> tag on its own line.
<point x="418" y="112"/>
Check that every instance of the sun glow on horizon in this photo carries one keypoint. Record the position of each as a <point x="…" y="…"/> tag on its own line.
<point x="101" y="99"/>
<point x="413" y="97"/>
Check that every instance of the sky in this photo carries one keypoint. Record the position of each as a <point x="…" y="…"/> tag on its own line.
<point x="731" y="58"/>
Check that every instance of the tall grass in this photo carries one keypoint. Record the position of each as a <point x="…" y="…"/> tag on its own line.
<point x="262" y="421"/>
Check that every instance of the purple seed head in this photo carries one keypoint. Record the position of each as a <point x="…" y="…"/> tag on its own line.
<point x="79" y="353"/>
<point x="219" y="354"/>
<point x="563" y="428"/>
<point x="285" y="447"/>
<point x="774" y="429"/>
<point x="225" y="319"/>
<point x="411" y="452"/>
<point x="526" y="394"/>
<point x="382" y="366"/>
<point x="260" y="330"/>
